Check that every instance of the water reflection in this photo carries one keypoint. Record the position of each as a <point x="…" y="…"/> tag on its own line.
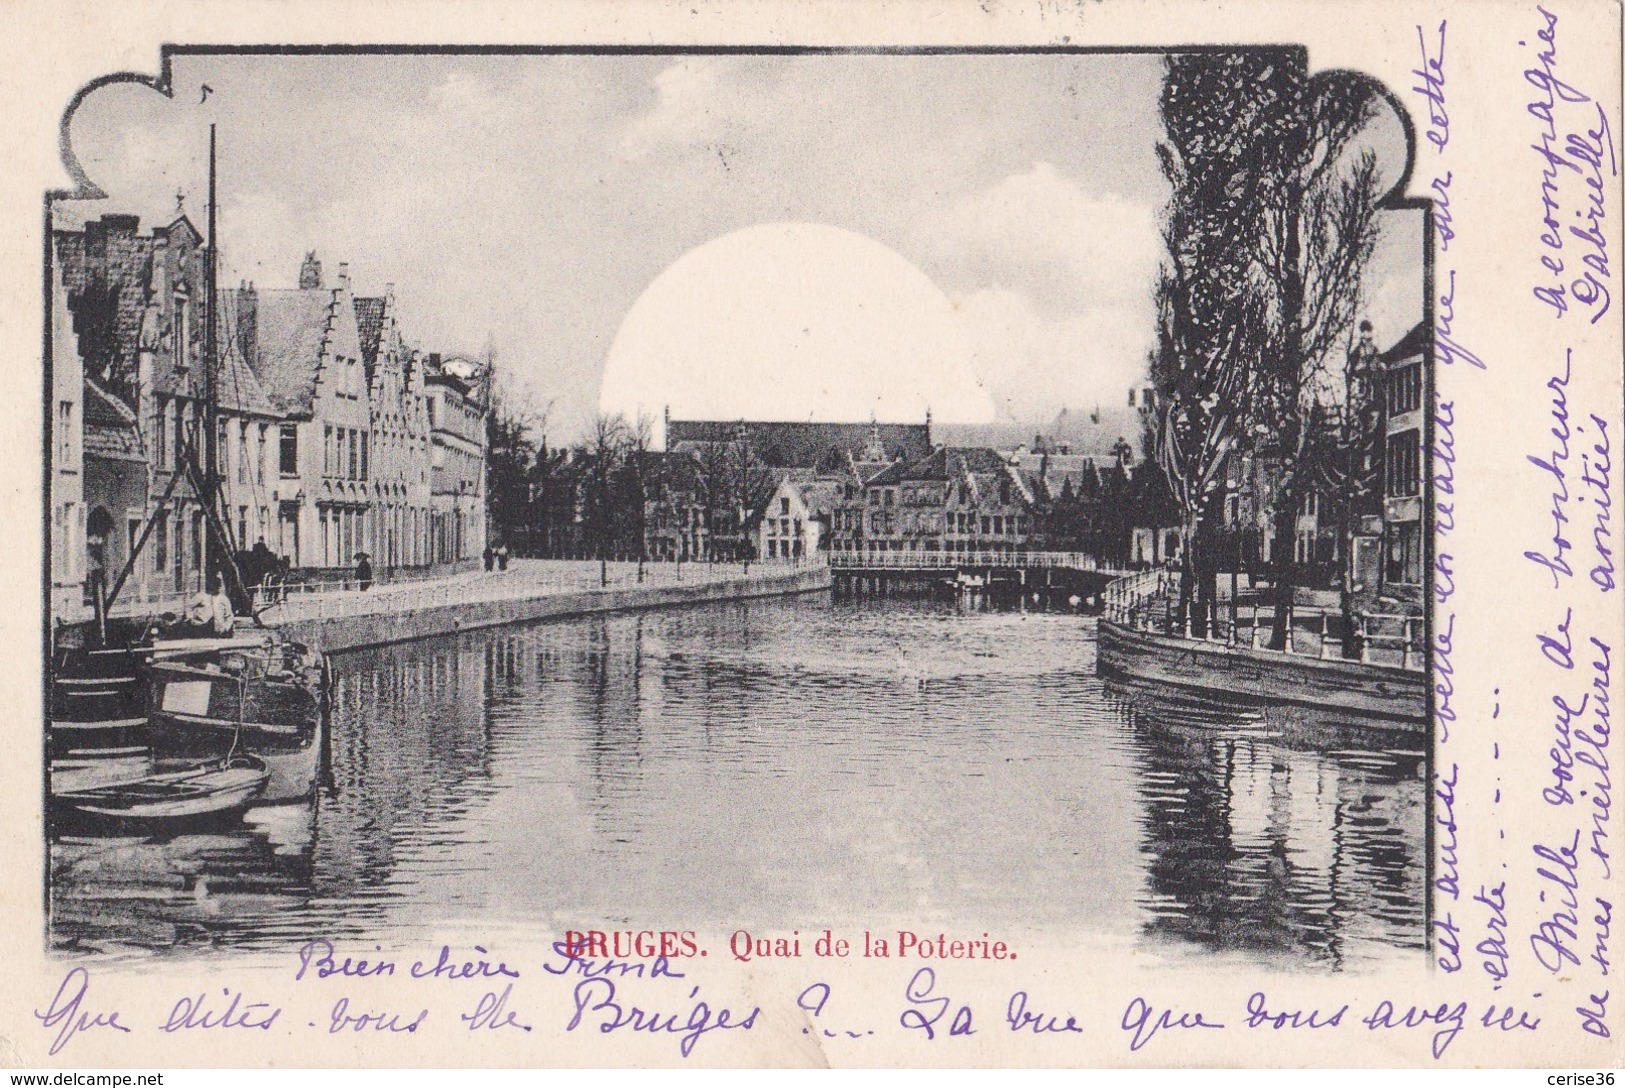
<point x="795" y="763"/>
<point x="1279" y="830"/>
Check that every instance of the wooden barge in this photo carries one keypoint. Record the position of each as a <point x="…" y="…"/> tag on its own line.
<point x="1397" y="695"/>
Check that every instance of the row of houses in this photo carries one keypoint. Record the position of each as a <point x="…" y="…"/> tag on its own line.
<point x="725" y="489"/>
<point x="334" y="436"/>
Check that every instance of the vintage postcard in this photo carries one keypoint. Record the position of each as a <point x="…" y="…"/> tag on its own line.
<point x="801" y="534"/>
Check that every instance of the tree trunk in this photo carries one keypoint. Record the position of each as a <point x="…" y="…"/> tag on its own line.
<point x="1205" y="568"/>
<point x="1289" y="427"/>
<point x="1281" y="567"/>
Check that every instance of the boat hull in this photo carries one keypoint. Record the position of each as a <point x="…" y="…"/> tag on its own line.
<point x="1397" y="698"/>
<point x="170" y="793"/>
<point x="291" y="761"/>
<point x="273" y="714"/>
<point x="98" y="705"/>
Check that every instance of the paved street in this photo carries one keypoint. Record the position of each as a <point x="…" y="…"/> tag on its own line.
<point x="524" y="579"/>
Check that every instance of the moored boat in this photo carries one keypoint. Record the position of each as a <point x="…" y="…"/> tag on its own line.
<point x="1384" y="693"/>
<point x="257" y="689"/>
<point x="172" y="791"/>
<point x="127" y="690"/>
<point x="98" y="706"/>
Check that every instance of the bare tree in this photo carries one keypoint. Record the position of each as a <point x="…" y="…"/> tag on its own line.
<point x="511" y="457"/>
<point x="606" y="450"/>
<point x="1319" y="235"/>
<point x="714" y="479"/>
<point x="737" y="485"/>
<point x="636" y="439"/>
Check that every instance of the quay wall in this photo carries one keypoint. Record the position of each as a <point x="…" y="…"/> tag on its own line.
<point x="338" y="634"/>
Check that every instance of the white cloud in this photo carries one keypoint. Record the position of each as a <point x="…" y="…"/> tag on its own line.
<point x="686" y="110"/>
<point x="1054" y="289"/>
<point x="1033" y="363"/>
<point x="1042" y="232"/>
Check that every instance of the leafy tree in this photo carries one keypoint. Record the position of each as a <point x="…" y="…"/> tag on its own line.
<point x="1210" y="313"/>
<point x="1271" y="221"/>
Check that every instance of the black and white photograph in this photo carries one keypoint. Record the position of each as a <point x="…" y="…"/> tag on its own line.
<point x="542" y="491"/>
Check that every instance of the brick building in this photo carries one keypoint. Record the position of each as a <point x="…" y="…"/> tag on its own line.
<point x="323" y="443"/>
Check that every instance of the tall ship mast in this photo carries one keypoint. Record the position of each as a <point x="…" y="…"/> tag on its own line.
<point x="192" y="692"/>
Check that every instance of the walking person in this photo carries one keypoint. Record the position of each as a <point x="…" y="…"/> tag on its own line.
<point x="363" y="571"/>
<point x="490" y="557"/>
<point x="502" y="557"/>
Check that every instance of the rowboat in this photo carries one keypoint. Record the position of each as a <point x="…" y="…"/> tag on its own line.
<point x="172" y="791"/>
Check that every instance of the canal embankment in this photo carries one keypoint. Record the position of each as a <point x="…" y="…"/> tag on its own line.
<point x="533" y="590"/>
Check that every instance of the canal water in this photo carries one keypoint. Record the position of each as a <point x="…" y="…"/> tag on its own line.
<point x="792" y="763"/>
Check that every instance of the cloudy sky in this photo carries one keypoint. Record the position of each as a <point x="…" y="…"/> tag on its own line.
<point x="1005" y="207"/>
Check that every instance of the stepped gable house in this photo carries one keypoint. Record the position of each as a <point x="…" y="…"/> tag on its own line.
<point x="795" y="524"/>
<point x="958" y="499"/>
<point x="134" y="304"/>
<point x="400" y="529"/>
<point x="809" y="465"/>
<point x="324" y="440"/>
<point x="351" y="470"/>
<point x="304" y="345"/>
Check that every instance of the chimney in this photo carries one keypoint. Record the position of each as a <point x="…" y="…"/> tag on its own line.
<point x="121" y="224"/>
<point x="310" y="273"/>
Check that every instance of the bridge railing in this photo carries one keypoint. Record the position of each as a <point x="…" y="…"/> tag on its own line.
<point x="940" y="560"/>
<point x="1140" y="600"/>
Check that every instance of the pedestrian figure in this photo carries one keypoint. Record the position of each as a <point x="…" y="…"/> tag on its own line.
<point x="502" y="557"/>
<point x="490" y="557"/>
<point x="210" y="613"/>
<point x="363" y="571"/>
<point x="261" y="563"/>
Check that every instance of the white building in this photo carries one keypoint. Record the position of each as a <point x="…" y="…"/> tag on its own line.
<point x="457" y="401"/>
<point x="795" y="520"/>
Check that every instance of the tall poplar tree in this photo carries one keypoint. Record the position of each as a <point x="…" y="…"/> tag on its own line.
<point x="1271" y="220"/>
